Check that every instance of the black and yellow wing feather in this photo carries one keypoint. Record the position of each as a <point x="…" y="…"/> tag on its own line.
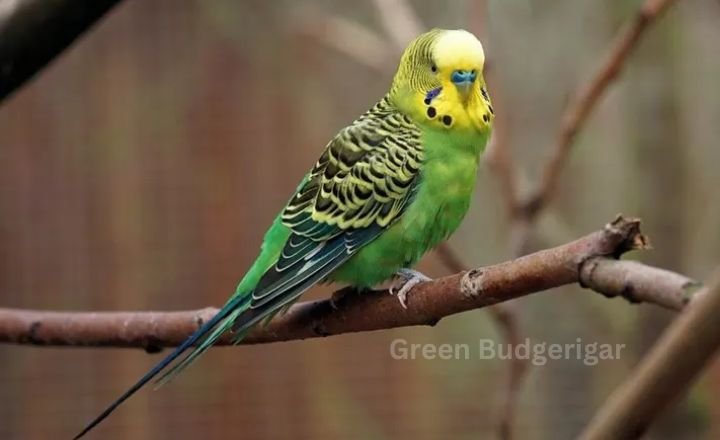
<point x="365" y="178"/>
<point x="360" y="185"/>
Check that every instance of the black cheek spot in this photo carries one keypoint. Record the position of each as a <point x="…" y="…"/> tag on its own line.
<point x="447" y="120"/>
<point x="486" y="118"/>
<point x="431" y="112"/>
<point x="492" y="112"/>
<point x="427" y="101"/>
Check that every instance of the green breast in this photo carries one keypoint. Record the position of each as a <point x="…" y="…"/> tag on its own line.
<point x="448" y="178"/>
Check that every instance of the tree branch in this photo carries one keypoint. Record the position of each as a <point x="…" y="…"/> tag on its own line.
<point x="400" y="21"/>
<point x="33" y="32"/>
<point x="523" y="213"/>
<point x="587" y="98"/>
<point x="351" y="38"/>
<point x="429" y="302"/>
<point x="638" y="282"/>
<point x="683" y="350"/>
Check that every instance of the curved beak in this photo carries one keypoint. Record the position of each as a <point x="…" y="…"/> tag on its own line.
<point x="464" y="80"/>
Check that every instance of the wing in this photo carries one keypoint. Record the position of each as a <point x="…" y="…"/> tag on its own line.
<point x="363" y="181"/>
<point x="361" y="184"/>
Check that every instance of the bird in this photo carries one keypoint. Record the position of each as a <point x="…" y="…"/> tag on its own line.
<point x="386" y="189"/>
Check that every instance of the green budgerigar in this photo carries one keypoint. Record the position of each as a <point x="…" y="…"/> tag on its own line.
<point x="386" y="189"/>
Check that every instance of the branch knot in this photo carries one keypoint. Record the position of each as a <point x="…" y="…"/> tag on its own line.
<point x="471" y="284"/>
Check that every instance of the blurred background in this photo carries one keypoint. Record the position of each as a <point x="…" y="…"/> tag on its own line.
<point x="141" y="168"/>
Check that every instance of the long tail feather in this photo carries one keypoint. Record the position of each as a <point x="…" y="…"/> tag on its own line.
<point x="201" y="348"/>
<point x="244" y="311"/>
<point x="234" y="305"/>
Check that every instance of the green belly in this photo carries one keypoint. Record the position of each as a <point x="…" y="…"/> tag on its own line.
<point x="441" y="203"/>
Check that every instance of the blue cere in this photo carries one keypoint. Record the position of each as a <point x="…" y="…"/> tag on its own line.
<point x="463" y="76"/>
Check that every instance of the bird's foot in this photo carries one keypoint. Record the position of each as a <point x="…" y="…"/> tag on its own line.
<point x="405" y="280"/>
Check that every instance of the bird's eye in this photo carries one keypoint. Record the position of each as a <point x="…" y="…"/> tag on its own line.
<point x="433" y="68"/>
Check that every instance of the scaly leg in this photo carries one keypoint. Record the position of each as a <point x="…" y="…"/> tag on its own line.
<point x="406" y="279"/>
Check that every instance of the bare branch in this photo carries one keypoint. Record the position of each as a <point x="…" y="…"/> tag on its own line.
<point x="500" y="160"/>
<point x="675" y="361"/>
<point x="638" y="282"/>
<point x="400" y="21"/>
<point x="586" y="99"/>
<point x="33" y="32"/>
<point x="355" y="40"/>
<point x="429" y="302"/>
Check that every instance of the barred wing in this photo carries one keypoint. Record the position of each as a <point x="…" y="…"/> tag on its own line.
<point x="361" y="184"/>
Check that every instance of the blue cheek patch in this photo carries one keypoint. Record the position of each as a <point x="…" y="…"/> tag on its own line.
<point x="432" y="94"/>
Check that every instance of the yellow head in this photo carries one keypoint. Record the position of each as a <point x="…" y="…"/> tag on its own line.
<point x="440" y="81"/>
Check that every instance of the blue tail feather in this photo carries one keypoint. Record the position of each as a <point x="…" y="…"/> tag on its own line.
<point x="160" y="366"/>
<point x="275" y="290"/>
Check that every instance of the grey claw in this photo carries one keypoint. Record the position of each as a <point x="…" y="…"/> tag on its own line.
<point x="411" y="279"/>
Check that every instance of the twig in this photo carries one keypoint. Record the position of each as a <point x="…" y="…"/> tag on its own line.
<point x="365" y="46"/>
<point x="522" y="214"/>
<point x="682" y="352"/>
<point x="33" y="32"/>
<point x="428" y="303"/>
<point x="400" y="21"/>
<point x="585" y="100"/>
<point x="635" y="281"/>
<point x="358" y="42"/>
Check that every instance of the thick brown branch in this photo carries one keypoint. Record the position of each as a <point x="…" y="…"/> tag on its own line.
<point x="664" y="374"/>
<point x="429" y="302"/>
<point x="33" y="32"/>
